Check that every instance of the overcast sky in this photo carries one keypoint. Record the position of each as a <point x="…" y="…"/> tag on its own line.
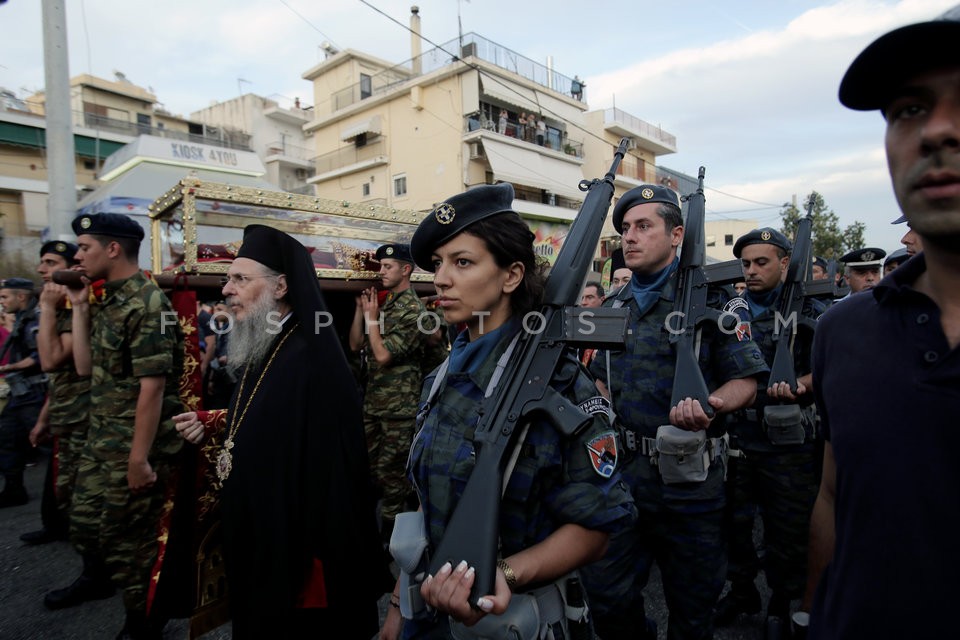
<point x="748" y="87"/>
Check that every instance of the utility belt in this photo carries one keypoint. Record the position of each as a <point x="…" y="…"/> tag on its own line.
<point x="783" y="424"/>
<point x="21" y="385"/>
<point x="679" y="455"/>
<point x="556" y="611"/>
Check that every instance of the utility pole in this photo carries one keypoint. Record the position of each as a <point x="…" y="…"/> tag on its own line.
<point x="61" y="177"/>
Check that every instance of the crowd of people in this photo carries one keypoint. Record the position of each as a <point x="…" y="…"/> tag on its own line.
<point x="322" y="467"/>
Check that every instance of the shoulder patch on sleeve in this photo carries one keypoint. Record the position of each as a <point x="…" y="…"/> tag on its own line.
<point x="602" y="450"/>
<point x="595" y="405"/>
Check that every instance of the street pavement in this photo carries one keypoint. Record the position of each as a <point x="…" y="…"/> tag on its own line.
<point x="27" y="573"/>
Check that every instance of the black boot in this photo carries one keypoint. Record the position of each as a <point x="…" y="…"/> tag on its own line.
<point x="139" y="626"/>
<point x="93" y="584"/>
<point x="777" y="625"/>
<point x="741" y="599"/>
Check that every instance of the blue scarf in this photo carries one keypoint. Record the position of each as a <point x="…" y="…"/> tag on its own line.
<point x="761" y="302"/>
<point x="467" y="356"/>
<point x="646" y="288"/>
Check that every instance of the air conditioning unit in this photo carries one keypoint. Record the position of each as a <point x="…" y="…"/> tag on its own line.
<point x="476" y="151"/>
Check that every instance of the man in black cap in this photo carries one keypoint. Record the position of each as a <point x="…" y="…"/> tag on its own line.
<point x="894" y="259"/>
<point x="301" y="549"/>
<point x="64" y="413"/>
<point x="775" y="471"/>
<point x="638" y="380"/>
<point x="28" y="387"/>
<point x="861" y="268"/>
<point x="392" y="337"/>
<point x="910" y="240"/>
<point x="884" y="527"/>
<point x="132" y="348"/>
<point x="820" y="268"/>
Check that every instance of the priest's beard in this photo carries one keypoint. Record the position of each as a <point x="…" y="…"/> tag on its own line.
<point x="252" y="337"/>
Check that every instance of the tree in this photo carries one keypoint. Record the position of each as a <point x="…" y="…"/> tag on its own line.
<point x="829" y="241"/>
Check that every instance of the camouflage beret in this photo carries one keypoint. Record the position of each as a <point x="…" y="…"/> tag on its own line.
<point x="764" y="235"/>
<point x="396" y="251"/>
<point x="641" y="195"/>
<point x="455" y="214"/>
<point x="112" y="225"/>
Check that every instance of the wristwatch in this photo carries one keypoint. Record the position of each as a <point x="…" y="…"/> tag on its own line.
<point x="507" y="573"/>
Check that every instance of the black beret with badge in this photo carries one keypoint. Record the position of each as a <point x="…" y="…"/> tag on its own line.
<point x="764" y="235"/>
<point x="66" y="250"/>
<point x="21" y="284"/>
<point x="863" y="258"/>
<point x="112" y="225"/>
<point x="455" y="214"/>
<point x="641" y="195"/>
<point x="396" y="251"/>
<point x="897" y="257"/>
<point x="892" y="58"/>
<point x="821" y="262"/>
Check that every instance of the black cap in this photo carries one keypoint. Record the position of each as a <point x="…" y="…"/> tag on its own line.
<point x="641" y="195"/>
<point x="901" y="219"/>
<point x="455" y="214"/>
<point x="897" y="257"/>
<point x="113" y="225"/>
<point x="867" y="257"/>
<point x="764" y="235"/>
<point x="17" y="283"/>
<point x="396" y="251"/>
<point x="66" y="250"/>
<point x="892" y="58"/>
<point x="821" y="262"/>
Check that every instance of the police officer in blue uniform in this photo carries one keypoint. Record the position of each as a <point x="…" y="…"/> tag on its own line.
<point x="680" y="522"/>
<point x="563" y="497"/>
<point x="776" y="468"/>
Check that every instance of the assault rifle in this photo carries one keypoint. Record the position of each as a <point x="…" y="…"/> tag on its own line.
<point x="690" y="305"/>
<point x="524" y="392"/>
<point x="791" y="303"/>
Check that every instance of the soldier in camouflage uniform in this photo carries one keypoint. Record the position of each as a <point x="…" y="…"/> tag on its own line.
<point x="28" y="387"/>
<point x="133" y="349"/>
<point x="679" y="524"/>
<point x="394" y="351"/>
<point x="65" y="399"/>
<point x="564" y="496"/>
<point x="774" y="473"/>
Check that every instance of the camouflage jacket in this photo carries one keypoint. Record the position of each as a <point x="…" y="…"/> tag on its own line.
<point x="556" y="480"/>
<point x="393" y="390"/>
<point x="69" y="392"/>
<point x="135" y="334"/>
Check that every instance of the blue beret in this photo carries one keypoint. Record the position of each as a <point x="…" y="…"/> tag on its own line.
<point x="641" y="195"/>
<point x="764" y="235"/>
<point x="893" y="58"/>
<point x="17" y="283"/>
<point x="113" y="225"/>
<point x="897" y="257"/>
<point x="63" y="249"/>
<point x="455" y="214"/>
<point x="867" y="257"/>
<point x="821" y="262"/>
<point x="901" y="219"/>
<point x="395" y="251"/>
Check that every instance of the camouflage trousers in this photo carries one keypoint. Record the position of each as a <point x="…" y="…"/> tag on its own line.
<point x="110" y="522"/>
<point x="69" y="445"/>
<point x="680" y="527"/>
<point x="388" y="445"/>
<point x="783" y="487"/>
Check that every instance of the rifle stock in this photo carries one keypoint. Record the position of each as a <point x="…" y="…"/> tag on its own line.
<point x="791" y="303"/>
<point x="691" y="305"/>
<point x="472" y="534"/>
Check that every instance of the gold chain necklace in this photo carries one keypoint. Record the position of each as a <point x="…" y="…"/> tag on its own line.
<point x="225" y="457"/>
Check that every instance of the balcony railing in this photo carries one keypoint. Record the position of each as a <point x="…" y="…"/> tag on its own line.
<point x="637" y="170"/>
<point x="553" y="139"/>
<point x="231" y="139"/>
<point x="636" y="124"/>
<point x="284" y="148"/>
<point x="351" y="155"/>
